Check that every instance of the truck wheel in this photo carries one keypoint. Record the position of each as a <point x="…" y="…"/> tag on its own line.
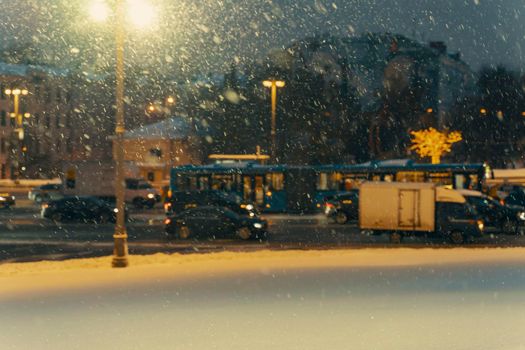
<point x="341" y="218"/>
<point x="395" y="238"/>
<point x="184" y="232"/>
<point x="457" y="237"/>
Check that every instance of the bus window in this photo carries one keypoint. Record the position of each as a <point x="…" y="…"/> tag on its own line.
<point x="444" y="179"/>
<point x="388" y="178"/>
<point x="204" y="183"/>
<point x="247" y="188"/>
<point x="259" y="190"/>
<point x="222" y="182"/>
<point x="274" y="182"/>
<point x="322" y="182"/>
<point x="459" y="181"/>
<point x="473" y="182"/>
<point x="335" y="181"/>
<point x="410" y="176"/>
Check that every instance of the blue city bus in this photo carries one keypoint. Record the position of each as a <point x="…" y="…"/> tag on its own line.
<point x="333" y="179"/>
<point x="288" y="188"/>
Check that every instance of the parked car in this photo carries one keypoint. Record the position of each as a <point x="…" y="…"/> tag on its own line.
<point x="343" y="207"/>
<point x="180" y="201"/>
<point x="515" y="198"/>
<point x="496" y="216"/>
<point x="7" y="200"/>
<point x="45" y="192"/>
<point x="215" y="221"/>
<point x="86" y="209"/>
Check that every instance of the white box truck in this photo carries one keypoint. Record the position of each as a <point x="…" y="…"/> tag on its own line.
<point x="93" y="178"/>
<point x="401" y="208"/>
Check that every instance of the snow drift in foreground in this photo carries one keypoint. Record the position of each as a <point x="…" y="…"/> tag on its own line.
<point x="336" y="299"/>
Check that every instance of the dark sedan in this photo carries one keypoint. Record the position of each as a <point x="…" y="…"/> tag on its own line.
<point x="215" y="222"/>
<point x="84" y="209"/>
<point x="343" y="207"/>
<point x="496" y="216"/>
<point x="7" y="200"/>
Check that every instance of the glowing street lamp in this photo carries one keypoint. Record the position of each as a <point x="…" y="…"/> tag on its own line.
<point x="99" y="11"/>
<point x="141" y="14"/>
<point x="273" y="85"/>
<point x="16" y="93"/>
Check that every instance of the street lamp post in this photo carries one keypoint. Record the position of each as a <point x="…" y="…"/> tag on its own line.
<point x="120" y="250"/>
<point x="19" y="123"/>
<point x="141" y="14"/>
<point x="273" y="85"/>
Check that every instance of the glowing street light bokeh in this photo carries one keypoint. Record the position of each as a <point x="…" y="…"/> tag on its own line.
<point x="140" y="13"/>
<point x="99" y="11"/>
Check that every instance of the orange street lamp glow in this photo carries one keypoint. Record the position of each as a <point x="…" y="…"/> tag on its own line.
<point x="273" y="85"/>
<point x="483" y="111"/>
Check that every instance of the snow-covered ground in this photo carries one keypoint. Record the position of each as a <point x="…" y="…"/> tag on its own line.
<point x="334" y="299"/>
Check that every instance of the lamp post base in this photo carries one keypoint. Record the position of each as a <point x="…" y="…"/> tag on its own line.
<point x="120" y="262"/>
<point x="120" y="252"/>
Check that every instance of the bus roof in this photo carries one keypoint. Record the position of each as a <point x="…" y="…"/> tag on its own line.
<point x="376" y="167"/>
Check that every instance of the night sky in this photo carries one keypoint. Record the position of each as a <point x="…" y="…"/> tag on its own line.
<point x="213" y="33"/>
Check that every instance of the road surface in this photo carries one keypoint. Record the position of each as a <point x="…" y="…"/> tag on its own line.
<point x="25" y="236"/>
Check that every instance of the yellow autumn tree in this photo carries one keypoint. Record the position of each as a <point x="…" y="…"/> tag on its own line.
<point x="433" y="143"/>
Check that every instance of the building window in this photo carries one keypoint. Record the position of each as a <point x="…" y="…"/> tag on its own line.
<point x="57" y="121"/>
<point x="48" y="121"/>
<point x="2" y="145"/>
<point x="2" y="92"/>
<point x="12" y="121"/>
<point x="36" y="119"/>
<point x="58" y="95"/>
<point x="3" y="118"/>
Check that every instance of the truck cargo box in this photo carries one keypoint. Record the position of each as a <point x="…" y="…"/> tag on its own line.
<point x="397" y="206"/>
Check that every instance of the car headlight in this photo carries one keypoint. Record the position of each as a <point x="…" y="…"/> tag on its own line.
<point x="3" y="199"/>
<point x="258" y="225"/>
<point x="249" y="207"/>
<point x="151" y="195"/>
<point x="521" y="215"/>
<point x="115" y="210"/>
<point x="481" y="225"/>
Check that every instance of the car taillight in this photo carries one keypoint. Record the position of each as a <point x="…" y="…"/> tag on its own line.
<point x="329" y="205"/>
<point x="167" y="206"/>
